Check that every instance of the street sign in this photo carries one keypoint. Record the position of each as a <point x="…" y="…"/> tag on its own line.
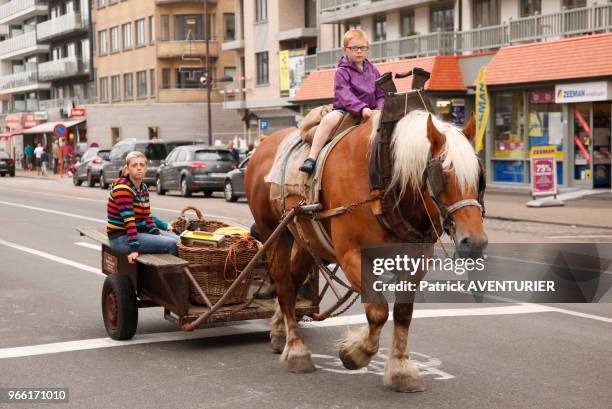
<point x="60" y="130"/>
<point x="263" y="124"/>
<point x="77" y="112"/>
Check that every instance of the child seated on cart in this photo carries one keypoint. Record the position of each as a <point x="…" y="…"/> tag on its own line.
<point x="130" y="227"/>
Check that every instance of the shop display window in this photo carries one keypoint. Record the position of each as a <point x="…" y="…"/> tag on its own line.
<point x="508" y="132"/>
<point x="545" y="124"/>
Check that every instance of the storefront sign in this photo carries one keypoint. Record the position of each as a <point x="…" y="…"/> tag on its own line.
<point x="13" y="121"/>
<point x="29" y="121"/>
<point x="41" y="115"/>
<point x="543" y="170"/>
<point x="482" y="109"/>
<point x="542" y="97"/>
<point x="77" y="112"/>
<point x="583" y="92"/>
<point x="291" y="70"/>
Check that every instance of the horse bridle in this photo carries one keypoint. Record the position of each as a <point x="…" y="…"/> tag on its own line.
<point x="434" y="180"/>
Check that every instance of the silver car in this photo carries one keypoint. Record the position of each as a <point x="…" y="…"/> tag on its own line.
<point x="89" y="168"/>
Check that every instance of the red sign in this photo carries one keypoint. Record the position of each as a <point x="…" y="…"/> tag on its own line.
<point x="543" y="175"/>
<point x="542" y="97"/>
<point x="29" y="120"/>
<point x="77" y="112"/>
<point x="13" y="121"/>
<point x="60" y="130"/>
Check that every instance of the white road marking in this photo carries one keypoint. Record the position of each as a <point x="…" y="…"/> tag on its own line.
<point x="52" y="257"/>
<point x="582" y="314"/>
<point x="88" y="245"/>
<point x="40" y="209"/>
<point x="247" y="328"/>
<point x="586" y="236"/>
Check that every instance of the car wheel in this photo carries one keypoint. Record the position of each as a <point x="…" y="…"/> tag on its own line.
<point x="12" y="174"/>
<point x="3" y="174"/>
<point x="208" y="193"/>
<point x="75" y="179"/>
<point x="90" y="180"/>
<point x="103" y="184"/>
<point x="158" y="184"/>
<point x="228" y="192"/>
<point x="185" y="190"/>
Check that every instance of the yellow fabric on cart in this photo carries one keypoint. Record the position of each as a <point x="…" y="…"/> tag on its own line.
<point x="232" y="230"/>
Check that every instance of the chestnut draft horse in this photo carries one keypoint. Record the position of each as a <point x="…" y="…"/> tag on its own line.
<point x="345" y="182"/>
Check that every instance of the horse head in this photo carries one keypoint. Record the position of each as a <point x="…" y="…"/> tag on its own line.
<point x="435" y="165"/>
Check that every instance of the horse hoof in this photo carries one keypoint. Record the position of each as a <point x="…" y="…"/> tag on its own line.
<point x="347" y="360"/>
<point x="300" y="364"/>
<point x="277" y="343"/>
<point x="406" y="385"/>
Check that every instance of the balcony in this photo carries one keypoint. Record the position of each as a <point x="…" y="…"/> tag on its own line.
<point x="21" y="46"/>
<point x="63" y="68"/>
<point x="234" y="94"/>
<point x="26" y="81"/>
<point x="62" y="25"/>
<point x="566" y="23"/>
<point x="186" y="49"/>
<point x="296" y="34"/>
<point x="16" y="11"/>
<point x="233" y="45"/>
<point x="50" y="104"/>
<point x="186" y="95"/>
<point x="28" y="105"/>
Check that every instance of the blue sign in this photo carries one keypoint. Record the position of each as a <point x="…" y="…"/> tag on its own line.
<point x="263" y="124"/>
<point x="60" y="130"/>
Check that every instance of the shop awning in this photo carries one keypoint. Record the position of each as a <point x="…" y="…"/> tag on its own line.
<point x="11" y="133"/>
<point x="47" y="127"/>
<point x="572" y="58"/>
<point x="445" y="76"/>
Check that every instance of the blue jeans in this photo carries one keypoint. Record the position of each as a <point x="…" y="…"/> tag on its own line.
<point x="149" y="243"/>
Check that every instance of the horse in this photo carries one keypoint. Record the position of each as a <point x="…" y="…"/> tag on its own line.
<point x="417" y="138"/>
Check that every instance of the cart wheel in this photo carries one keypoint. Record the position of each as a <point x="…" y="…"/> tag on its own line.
<point x="119" y="307"/>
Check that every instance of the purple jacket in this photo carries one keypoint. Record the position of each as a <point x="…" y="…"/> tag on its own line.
<point x="355" y="90"/>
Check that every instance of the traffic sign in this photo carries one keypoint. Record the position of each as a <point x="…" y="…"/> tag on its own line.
<point x="60" y="130"/>
<point x="263" y="124"/>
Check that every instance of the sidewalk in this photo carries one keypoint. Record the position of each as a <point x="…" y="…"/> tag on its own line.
<point x="20" y="173"/>
<point x="592" y="211"/>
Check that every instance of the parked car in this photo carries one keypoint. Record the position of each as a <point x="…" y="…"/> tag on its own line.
<point x="155" y="151"/>
<point x="90" y="166"/>
<point x="196" y="168"/>
<point x="234" y="182"/>
<point x="7" y="164"/>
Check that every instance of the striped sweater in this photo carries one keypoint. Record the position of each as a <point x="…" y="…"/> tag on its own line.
<point x="129" y="212"/>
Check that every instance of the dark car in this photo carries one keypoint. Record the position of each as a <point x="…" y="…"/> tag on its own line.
<point x="90" y="166"/>
<point x="234" y="182"/>
<point x="196" y="168"/>
<point x="155" y="151"/>
<point x="7" y="164"/>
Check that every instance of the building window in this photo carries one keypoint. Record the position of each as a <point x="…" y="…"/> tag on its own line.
<point x="229" y="27"/>
<point x="508" y="148"/>
<point x="545" y="123"/>
<point x="573" y="4"/>
<point x="128" y="86"/>
<point x="166" y="78"/>
<point x="152" y="29"/>
<point x="153" y="132"/>
<point x="116" y="88"/>
<point x="115" y="135"/>
<point x="262" y="67"/>
<point x="486" y="13"/>
<point x="165" y="28"/>
<point x="127" y="36"/>
<point x="189" y="78"/>
<point x="352" y="24"/>
<point x="261" y="10"/>
<point x="101" y="3"/>
<point x="442" y="15"/>
<point x="530" y="7"/>
<point x="152" y="83"/>
<point x="310" y="13"/>
<point x="188" y="28"/>
<point x="140" y="32"/>
<point x="103" y="42"/>
<point x="103" y="91"/>
<point x="141" y="79"/>
<point x="407" y="23"/>
<point x="114" y="35"/>
<point x="380" y="28"/>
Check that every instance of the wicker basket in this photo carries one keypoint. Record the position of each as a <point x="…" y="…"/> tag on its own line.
<point x="183" y="223"/>
<point x="215" y="282"/>
<point x="236" y="251"/>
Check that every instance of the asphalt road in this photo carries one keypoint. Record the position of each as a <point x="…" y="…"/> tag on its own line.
<point x="470" y="355"/>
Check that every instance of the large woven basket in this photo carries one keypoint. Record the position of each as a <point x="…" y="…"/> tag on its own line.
<point x="215" y="281"/>
<point x="183" y="222"/>
<point x="236" y="251"/>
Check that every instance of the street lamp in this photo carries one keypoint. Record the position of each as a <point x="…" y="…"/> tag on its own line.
<point x="207" y="71"/>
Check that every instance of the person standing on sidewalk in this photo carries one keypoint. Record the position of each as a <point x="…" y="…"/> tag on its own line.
<point x="38" y="154"/>
<point x="28" y="151"/>
<point x="55" y="153"/>
<point x="44" y="163"/>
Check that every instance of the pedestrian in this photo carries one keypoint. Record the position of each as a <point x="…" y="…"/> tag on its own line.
<point x="235" y="152"/>
<point x="354" y="91"/>
<point x="55" y="153"/>
<point x="28" y="151"/>
<point x="251" y="149"/>
<point x="38" y="154"/>
<point x="44" y="163"/>
<point x="67" y="152"/>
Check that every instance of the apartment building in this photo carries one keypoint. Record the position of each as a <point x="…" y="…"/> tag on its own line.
<point x="273" y="39"/>
<point x="149" y="58"/>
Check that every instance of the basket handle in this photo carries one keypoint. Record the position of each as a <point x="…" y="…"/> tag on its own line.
<point x="197" y="211"/>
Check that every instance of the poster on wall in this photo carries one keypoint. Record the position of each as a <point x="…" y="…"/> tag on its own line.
<point x="291" y="71"/>
<point x="543" y="170"/>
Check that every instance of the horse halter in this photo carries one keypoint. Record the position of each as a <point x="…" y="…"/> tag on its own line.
<point x="434" y="180"/>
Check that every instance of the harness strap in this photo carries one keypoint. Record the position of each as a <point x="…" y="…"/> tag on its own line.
<point x="463" y="203"/>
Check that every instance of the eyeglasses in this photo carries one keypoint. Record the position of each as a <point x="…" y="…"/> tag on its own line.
<point x="362" y="49"/>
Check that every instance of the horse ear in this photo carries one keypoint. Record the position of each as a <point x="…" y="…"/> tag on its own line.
<point x="435" y="137"/>
<point x="470" y="128"/>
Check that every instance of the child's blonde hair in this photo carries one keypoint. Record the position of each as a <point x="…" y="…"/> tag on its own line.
<point x="354" y="34"/>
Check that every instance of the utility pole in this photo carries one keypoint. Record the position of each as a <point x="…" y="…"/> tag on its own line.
<point x="207" y="33"/>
